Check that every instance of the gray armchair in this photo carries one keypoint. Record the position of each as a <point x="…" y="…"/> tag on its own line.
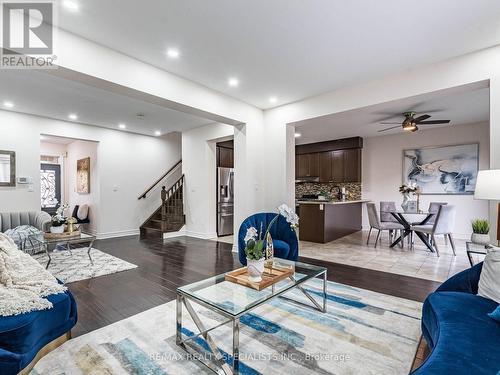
<point x="37" y="219"/>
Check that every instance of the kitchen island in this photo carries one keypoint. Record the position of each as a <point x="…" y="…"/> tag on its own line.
<point x="325" y="221"/>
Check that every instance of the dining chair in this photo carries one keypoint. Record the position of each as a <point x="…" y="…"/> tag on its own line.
<point x="386" y="207"/>
<point x="433" y="209"/>
<point x="444" y="223"/>
<point x="375" y="222"/>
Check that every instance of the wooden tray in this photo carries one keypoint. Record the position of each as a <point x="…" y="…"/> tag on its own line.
<point x="61" y="236"/>
<point x="269" y="277"/>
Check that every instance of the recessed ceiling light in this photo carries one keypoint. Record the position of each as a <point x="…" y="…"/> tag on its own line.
<point x="71" y="5"/>
<point x="297" y="135"/>
<point x="173" y="53"/>
<point x="8" y="104"/>
<point x="122" y="126"/>
<point x="233" y="82"/>
<point x="157" y="133"/>
<point x="72" y="116"/>
<point x="273" y="99"/>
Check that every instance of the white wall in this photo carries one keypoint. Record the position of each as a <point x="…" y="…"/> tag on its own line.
<point x="127" y="165"/>
<point x="383" y="165"/>
<point x="79" y="150"/>
<point x="199" y="167"/>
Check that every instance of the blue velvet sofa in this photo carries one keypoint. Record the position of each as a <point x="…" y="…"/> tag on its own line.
<point x="285" y="242"/>
<point x="22" y="336"/>
<point x="462" y="337"/>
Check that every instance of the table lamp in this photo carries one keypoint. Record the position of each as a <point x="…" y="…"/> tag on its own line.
<point x="488" y="187"/>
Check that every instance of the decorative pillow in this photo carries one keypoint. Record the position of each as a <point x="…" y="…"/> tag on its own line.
<point x="23" y="238"/>
<point x="489" y="281"/>
<point x="83" y="212"/>
<point x="495" y="315"/>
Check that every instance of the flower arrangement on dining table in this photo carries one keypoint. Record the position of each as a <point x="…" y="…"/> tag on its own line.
<point x="257" y="240"/>
<point x="407" y="190"/>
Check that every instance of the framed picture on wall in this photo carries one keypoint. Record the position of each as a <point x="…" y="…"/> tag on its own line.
<point x="442" y="170"/>
<point x="83" y="176"/>
<point x="7" y="168"/>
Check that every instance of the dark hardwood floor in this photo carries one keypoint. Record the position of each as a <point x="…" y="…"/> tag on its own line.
<point x="165" y="265"/>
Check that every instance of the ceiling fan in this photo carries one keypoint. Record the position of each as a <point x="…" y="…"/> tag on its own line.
<point x="411" y="123"/>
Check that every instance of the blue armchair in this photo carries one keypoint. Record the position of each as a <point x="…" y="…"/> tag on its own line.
<point x="285" y="242"/>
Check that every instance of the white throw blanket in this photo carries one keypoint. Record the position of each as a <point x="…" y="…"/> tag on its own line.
<point x="23" y="281"/>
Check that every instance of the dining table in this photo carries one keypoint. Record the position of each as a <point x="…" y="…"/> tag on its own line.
<point x="403" y="216"/>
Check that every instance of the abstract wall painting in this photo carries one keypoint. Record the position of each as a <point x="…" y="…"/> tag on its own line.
<point x="83" y="176"/>
<point x="442" y="170"/>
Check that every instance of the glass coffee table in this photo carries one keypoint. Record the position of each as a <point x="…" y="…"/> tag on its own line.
<point x="232" y="300"/>
<point x="46" y="243"/>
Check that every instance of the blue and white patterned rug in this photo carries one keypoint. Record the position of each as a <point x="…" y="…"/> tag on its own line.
<point x="363" y="332"/>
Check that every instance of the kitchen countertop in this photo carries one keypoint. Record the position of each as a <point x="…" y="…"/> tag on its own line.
<point x="332" y="202"/>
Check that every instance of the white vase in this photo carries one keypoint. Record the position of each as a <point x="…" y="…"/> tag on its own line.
<point x="255" y="269"/>
<point x="480" y="239"/>
<point x="59" y="229"/>
<point x="406" y="199"/>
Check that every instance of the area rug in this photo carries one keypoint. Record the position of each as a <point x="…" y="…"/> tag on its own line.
<point x="69" y="267"/>
<point x="363" y="332"/>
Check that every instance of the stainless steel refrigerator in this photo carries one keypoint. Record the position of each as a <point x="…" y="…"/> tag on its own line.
<point x="225" y="201"/>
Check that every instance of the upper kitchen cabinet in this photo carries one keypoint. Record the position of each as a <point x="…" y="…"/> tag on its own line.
<point x="352" y="165"/>
<point x="325" y="167"/>
<point x="307" y="165"/>
<point x="225" y="155"/>
<point x="332" y="161"/>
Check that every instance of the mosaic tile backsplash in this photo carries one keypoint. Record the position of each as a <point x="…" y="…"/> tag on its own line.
<point x="353" y="190"/>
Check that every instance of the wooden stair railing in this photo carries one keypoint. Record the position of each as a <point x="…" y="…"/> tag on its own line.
<point x="169" y="217"/>
<point x="143" y="195"/>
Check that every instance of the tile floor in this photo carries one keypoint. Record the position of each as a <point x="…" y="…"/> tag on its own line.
<point x="419" y="262"/>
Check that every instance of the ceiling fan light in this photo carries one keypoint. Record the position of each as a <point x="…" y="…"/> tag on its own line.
<point x="410" y="126"/>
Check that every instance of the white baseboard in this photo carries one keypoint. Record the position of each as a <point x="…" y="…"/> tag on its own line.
<point x="181" y="232"/>
<point x="201" y="235"/>
<point x="121" y="233"/>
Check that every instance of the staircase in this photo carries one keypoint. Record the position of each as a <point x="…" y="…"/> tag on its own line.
<point x="169" y="217"/>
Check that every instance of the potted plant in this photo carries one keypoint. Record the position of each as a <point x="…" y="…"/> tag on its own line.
<point x="254" y="250"/>
<point x="255" y="243"/>
<point x="480" y="230"/>
<point x="58" y="220"/>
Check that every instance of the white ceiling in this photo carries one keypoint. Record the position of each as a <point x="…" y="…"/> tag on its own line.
<point x="288" y="48"/>
<point x="49" y="96"/>
<point x="466" y="107"/>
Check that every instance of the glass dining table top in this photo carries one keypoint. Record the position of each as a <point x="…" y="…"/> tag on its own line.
<point x="235" y="299"/>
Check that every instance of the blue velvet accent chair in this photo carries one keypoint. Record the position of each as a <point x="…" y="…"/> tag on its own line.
<point x="285" y="242"/>
<point x="464" y="340"/>
<point x="22" y="336"/>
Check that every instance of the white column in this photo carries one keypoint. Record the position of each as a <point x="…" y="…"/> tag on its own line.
<point x="494" y="142"/>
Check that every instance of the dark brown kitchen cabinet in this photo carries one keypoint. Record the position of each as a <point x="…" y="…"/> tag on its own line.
<point x="307" y="165"/>
<point x="352" y="165"/>
<point x="225" y="157"/>
<point x="325" y="167"/>
<point x="338" y="173"/>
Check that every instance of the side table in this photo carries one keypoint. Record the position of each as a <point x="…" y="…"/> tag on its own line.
<point x="479" y="249"/>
